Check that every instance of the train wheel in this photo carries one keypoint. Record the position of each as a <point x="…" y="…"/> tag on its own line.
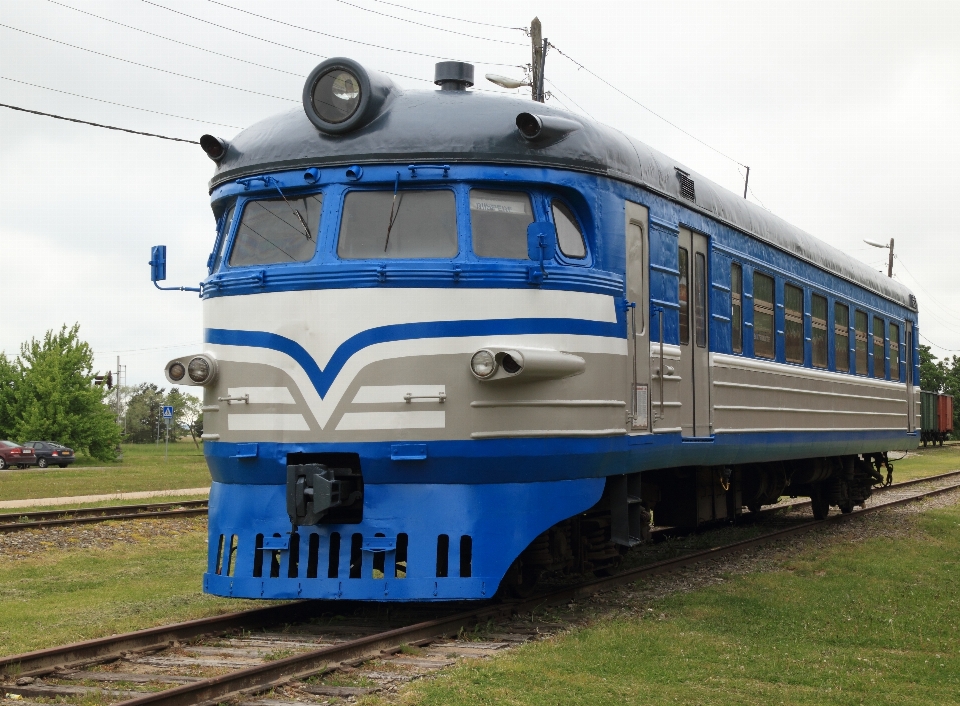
<point x="520" y="581"/>
<point x="754" y="506"/>
<point x="846" y="508"/>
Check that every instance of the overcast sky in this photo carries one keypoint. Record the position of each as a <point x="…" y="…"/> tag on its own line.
<point x="847" y="114"/>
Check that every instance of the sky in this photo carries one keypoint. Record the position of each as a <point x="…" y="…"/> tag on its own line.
<point x="846" y="113"/>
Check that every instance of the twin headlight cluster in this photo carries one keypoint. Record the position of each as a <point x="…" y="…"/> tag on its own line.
<point x="494" y="363"/>
<point x="192" y="370"/>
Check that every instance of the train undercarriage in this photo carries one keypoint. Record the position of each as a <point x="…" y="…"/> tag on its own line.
<point x="596" y="540"/>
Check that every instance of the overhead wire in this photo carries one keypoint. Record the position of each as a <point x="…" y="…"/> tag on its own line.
<point x="921" y="287"/>
<point x="343" y="39"/>
<point x="448" y="17"/>
<point x="147" y="66"/>
<point x="106" y="127"/>
<point x="122" y="105"/>
<point x="175" y="41"/>
<point x="947" y="350"/>
<point x="421" y="24"/>
<point x="565" y="95"/>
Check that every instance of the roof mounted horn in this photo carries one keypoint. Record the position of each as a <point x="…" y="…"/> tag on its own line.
<point x="340" y="95"/>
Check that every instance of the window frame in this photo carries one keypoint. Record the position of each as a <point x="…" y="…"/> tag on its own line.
<point x="736" y="300"/>
<point x="846" y="334"/>
<point x="683" y="308"/>
<point x="240" y="207"/>
<point x="562" y="257"/>
<point x="894" y="344"/>
<point x="880" y="374"/>
<point x="866" y="344"/>
<point x="791" y="316"/>
<point x="825" y="327"/>
<point x="470" y="187"/>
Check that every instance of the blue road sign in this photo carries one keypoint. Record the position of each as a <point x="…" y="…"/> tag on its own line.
<point x="167" y="412"/>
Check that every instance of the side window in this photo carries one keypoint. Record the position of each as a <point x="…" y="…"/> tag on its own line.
<point x="412" y="224"/>
<point x="225" y="222"/>
<point x="683" y="295"/>
<point x="499" y="220"/>
<point x="821" y="344"/>
<point x="793" y="323"/>
<point x="841" y="337"/>
<point x="879" y="369"/>
<point x="700" y="299"/>
<point x="569" y="235"/>
<point x="895" y="352"/>
<point x="736" y="308"/>
<point x="860" y="339"/>
<point x="763" y="307"/>
<point x="277" y="230"/>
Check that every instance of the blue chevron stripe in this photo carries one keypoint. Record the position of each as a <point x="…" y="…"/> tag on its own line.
<point x="323" y="379"/>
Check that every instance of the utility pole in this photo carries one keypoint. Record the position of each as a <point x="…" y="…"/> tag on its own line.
<point x="890" y="260"/>
<point x="746" y="183"/>
<point x="539" y="46"/>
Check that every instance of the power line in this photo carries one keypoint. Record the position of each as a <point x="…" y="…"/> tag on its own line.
<point x="175" y="41"/>
<point x="147" y="66"/>
<point x="649" y="110"/>
<point x="948" y="350"/>
<point x="421" y="24"/>
<point x="122" y="105"/>
<point x="448" y="17"/>
<point x="557" y="89"/>
<point x="106" y="127"/>
<point x="345" y="39"/>
<point x="932" y="298"/>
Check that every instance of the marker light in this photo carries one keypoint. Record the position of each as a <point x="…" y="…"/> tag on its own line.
<point x="199" y="370"/>
<point x="176" y="371"/>
<point x="483" y="364"/>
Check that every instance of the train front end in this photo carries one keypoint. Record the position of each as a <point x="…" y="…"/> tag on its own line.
<point x="411" y="364"/>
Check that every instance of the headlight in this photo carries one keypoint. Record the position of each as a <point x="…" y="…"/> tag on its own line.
<point x="199" y="370"/>
<point x="483" y="364"/>
<point x="336" y="96"/>
<point x="176" y="371"/>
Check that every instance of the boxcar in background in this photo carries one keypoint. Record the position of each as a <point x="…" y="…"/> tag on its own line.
<point x="936" y="417"/>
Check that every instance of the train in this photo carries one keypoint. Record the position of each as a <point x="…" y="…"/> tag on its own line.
<point x="936" y="417"/>
<point x="455" y="340"/>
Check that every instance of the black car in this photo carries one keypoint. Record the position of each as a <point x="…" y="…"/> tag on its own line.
<point x="49" y="453"/>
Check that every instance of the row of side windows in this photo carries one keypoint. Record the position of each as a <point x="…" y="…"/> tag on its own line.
<point x="847" y="358"/>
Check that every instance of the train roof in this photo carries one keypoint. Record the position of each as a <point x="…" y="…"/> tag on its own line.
<point x="478" y="127"/>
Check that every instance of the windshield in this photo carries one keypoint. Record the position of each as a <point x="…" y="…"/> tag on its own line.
<point x="277" y="230"/>
<point x="499" y="221"/>
<point x="405" y="224"/>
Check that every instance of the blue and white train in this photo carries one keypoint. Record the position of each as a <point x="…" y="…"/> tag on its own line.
<point x="453" y="340"/>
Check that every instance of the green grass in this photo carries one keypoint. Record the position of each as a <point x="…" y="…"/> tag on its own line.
<point x="876" y="622"/>
<point x="928" y="461"/>
<point x="143" y="468"/>
<point x="78" y="594"/>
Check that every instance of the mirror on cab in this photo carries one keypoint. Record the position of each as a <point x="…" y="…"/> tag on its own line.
<point x="158" y="263"/>
<point x="541" y="241"/>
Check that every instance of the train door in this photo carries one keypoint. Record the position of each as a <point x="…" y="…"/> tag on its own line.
<point x="638" y="402"/>
<point x="911" y="402"/>
<point x="694" y="334"/>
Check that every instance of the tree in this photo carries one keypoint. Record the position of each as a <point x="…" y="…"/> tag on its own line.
<point x="143" y="413"/>
<point x="8" y="377"/>
<point x="186" y="407"/>
<point x="54" y="396"/>
<point x="932" y="372"/>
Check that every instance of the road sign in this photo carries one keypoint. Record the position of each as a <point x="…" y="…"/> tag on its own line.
<point x="167" y="412"/>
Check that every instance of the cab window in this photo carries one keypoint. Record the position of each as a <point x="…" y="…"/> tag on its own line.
<point x="225" y="222"/>
<point x="569" y="235"/>
<point x="499" y="220"/>
<point x="277" y="230"/>
<point x="408" y="224"/>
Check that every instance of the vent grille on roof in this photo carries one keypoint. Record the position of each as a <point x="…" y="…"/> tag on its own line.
<point x="913" y="303"/>
<point x="687" y="189"/>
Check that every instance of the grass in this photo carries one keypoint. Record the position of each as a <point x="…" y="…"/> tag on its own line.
<point x="927" y="461"/>
<point x="874" y="622"/>
<point x="77" y="594"/>
<point x="143" y="468"/>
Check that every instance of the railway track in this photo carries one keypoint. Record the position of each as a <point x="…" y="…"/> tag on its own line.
<point x="241" y="656"/>
<point x="16" y="521"/>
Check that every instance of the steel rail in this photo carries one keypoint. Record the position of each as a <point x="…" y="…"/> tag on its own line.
<point x="14" y="522"/>
<point x="263" y="677"/>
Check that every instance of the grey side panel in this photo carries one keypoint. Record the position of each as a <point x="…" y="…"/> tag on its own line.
<point x="638" y="288"/>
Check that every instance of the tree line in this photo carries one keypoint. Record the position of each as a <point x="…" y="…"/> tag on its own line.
<point x="49" y="392"/>
<point x="942" y="376"/>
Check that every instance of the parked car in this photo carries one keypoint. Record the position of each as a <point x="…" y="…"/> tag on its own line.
<point x="12" y="454"/>
<point x="50" y="452"/>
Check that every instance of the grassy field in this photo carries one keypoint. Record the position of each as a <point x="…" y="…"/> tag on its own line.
<point x="143" y="468"/>
<point x="877" y="622"/>
<point x="149" y="578"/>
<point x="927" y="461"/>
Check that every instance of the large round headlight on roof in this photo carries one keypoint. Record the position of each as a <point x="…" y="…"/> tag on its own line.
<point x="340" y="95"/>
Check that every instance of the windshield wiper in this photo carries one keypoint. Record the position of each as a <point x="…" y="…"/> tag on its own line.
<point x="393" y="214"/>
<point x="270" y="180"/>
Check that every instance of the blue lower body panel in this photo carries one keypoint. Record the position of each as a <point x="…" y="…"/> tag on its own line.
<point x="470" y="534"/>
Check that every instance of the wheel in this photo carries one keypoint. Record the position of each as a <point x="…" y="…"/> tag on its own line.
<point x="41" y="462"/>
<point x="846" y="508"/>
<point x="754" y="506"/>
<point x="3" y="463"/>
<point x="520" y="581"/>
<point x="820" y="505"/>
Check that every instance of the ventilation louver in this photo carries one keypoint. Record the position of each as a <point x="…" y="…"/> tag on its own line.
<point x="687" y="190"/>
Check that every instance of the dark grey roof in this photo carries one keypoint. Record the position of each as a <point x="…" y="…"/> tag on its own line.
<point x="469" y="126"/>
